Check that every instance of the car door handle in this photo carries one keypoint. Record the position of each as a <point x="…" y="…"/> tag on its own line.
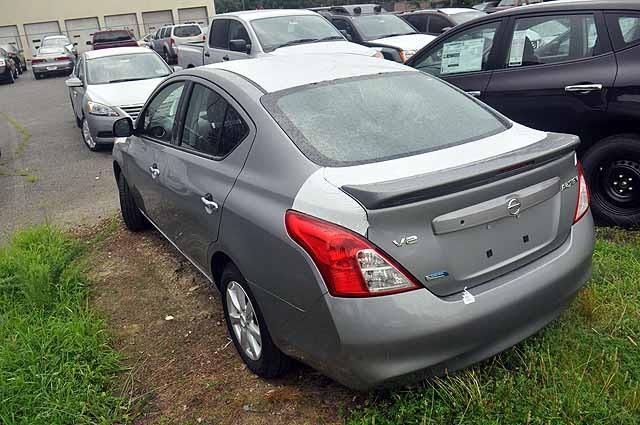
<point x="207" y="54"/>
<point x="225" y="58"/>
<point x="583" y="88"/>
<point x="155" y="172"/>
<point x="209" y="204"/>
<point x="474" y="93"/>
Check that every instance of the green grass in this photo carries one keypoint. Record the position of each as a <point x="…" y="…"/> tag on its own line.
<point x="582" y="369"/>
<point x="25" y="135"/>
<point x="56" y="363"/>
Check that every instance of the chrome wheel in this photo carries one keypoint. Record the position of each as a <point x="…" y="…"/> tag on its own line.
<point x="244" y="321"/>
<point x="86" y="135"/>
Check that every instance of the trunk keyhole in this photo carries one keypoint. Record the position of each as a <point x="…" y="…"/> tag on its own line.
<point x="490" y="253"/>
<point x="525" y="238"/>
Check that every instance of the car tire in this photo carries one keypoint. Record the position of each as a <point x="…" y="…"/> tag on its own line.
<point x="86" y="136"/>
<point x="19" y="67"/>
<point x="131" y="215"/>
<point x="166" y="56"/>
<point x="267" y="361"/>
<point x="36" y="76"/>
<point x="612" y="170"/>
<point x="12" y="78"/>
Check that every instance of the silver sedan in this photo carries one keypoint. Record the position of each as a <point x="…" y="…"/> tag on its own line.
<point x="108" y="84"/>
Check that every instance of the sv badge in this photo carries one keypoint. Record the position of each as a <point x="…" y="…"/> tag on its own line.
<point x="407" y="240"/>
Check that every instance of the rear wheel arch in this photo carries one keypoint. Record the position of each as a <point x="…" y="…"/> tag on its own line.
<point x="219" y="262"/>
<point x="116" y="170"/>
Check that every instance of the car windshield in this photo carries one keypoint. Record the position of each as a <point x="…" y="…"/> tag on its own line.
<point x="381" y="26"/>
<point x="111" y="36"/>
<point x="285" y="31"/>
<point x="187" y="31"/>
<point x="57" y="41"/>
<point x="461" y="18"/>
<point x="376" y="118"/>
<point x="120" y="68"/>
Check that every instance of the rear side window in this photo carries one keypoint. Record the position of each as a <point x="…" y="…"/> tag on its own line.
<point x="377" y="118"/>
<point x="187" y="31"/>
<point x="212" y="126"/>
<point x="418" y="21"/>
<point x="111" y="36"/>
<point x="219" y="34"/>
<point x="625" y="29"/>
<point x="437" y="24"/>
<point x="552" y="39"/>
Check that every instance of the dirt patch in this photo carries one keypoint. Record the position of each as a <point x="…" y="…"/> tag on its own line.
<point x="168" y="323"/>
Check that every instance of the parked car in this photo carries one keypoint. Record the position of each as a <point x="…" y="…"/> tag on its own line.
<point x="17" y="55"/>
<point x="485" y="5"/>
<point x="579" y="77"/>
<point x="437" y="21"/>
<point x="166" y="38"/>
<point x="52" y="60"/>
<point x="60" y="41"/>
<point x="112" y="38"/>
<point x="251" y="34"/>
<point x="348" y="218"/>
<point x="108" y="84"/>
<point x="396" y="39"/>
<point x="8" y="70"/>
<point x="508" y="4"/>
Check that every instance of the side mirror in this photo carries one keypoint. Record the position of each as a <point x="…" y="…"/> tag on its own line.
<point x="89" y="43"/>
<point x="445" y="29"/>
<point x="123" y="127"/>
<point x="177" y="68"/>
<point x="239" y="46"/>
<point x="346" y="35"/>
<point x="73" y="82"/>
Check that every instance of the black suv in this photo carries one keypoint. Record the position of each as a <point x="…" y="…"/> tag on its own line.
<point x="569" y="67"/>
<point x="372" y="26"/>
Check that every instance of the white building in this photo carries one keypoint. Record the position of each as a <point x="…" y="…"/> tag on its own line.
<point x="25" y="22"/>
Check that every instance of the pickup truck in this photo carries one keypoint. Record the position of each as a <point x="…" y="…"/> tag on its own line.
<point x="112" y="38"/>
<point x="251" y="34"/>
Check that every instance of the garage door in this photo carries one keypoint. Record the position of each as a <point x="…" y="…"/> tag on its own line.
<point x="128" y="21"/>
<point x="81" y="30"/>
<point x="35" y="33"/>
<point x="9" y="35"/>
<point x="154" y="20"/>
<point x="193" y="14"/>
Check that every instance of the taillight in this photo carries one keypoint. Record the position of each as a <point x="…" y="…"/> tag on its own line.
<point x="63" y="58"/>
<point x="204" y="37"/>
<point x="35" y="61"/>
<point x="582" y="203"/>
<point x="172" y="41"/>
<point x="350" y="265"/>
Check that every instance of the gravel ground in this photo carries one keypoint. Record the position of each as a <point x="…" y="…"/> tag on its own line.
<point x="46" y="172"/>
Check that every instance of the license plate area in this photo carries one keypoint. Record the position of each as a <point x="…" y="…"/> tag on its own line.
<point x="490" y="249"/>
<point x="52" y="68"/>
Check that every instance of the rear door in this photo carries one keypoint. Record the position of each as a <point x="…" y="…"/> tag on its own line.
<point x="465" y="58"/>
<point x="556" y="70"/>
<point x="145" y="162"/>
<point x="218" y="41"/>
<point x="200" y="172"/>
<point x="77" y="93"/>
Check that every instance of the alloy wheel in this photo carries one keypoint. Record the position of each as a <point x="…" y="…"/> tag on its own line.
<point x="86" y="135"/>
<point x="244" y="321"/>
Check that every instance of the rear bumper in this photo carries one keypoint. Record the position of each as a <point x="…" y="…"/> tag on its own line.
<point x="368" y="342"/>
<point x="52" y="67"/>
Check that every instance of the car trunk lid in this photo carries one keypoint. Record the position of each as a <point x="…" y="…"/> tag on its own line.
<point x="460" y="227"/>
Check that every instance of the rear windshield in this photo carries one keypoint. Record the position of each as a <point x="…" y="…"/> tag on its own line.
<point x="111" y="36"/>
<point x="461" y="18"/>
<point x="57" y="41"/>
<point x="187" y="31"/>
<point x="380" y="26"/>
<point x="376" y="118"/>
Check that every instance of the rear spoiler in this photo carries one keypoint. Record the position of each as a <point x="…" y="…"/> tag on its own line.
<point x="432" y="185"/>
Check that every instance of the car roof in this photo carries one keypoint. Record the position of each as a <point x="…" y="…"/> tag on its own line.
<point x="275" y="73"/>
<point x="251" y="15"/>
<point x="561" y="5"/>
<point x="55" y="36"/>
<point x="456" y="10"/>
<point x="115" y="51"/>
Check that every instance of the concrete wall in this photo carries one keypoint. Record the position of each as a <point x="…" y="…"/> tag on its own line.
<point x="23" y="12"/>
